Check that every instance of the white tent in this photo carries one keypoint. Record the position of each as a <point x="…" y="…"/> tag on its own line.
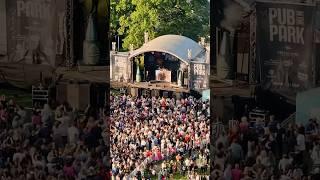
<point x="174" y="45"/>
<point x="308" y="106"/>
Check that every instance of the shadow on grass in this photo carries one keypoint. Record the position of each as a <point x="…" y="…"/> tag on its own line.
<point x="22" y="97"/>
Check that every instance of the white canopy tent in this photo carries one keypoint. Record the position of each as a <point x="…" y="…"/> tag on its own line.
<point x="174" y="45"/>
<point x="194" y="57"/>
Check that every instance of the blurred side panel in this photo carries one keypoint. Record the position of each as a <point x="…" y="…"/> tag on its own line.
<point x="3" y="28"/>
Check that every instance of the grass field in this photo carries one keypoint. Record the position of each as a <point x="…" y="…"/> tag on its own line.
<point x="178" y="176"/>
<point x="22" y="97"/>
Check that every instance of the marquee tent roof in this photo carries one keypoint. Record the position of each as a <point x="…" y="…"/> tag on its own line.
<point x="175" y="45"/>
<point x="308" y="105"/>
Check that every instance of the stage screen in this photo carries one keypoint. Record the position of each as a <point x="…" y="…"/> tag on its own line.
<point x="285" y="45"/>
<point x="163" y="75"/>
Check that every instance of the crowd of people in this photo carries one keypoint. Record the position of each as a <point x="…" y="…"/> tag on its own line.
<point x="158" y="136"/>
<point x="52" y="142"/>
<point x="268" y="151"/>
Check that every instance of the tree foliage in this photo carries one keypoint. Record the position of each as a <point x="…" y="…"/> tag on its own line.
<point x="131" y="18"/>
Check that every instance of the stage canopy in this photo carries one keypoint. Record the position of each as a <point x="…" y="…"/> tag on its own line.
<point x="206" y="95"/>
<point x="174" y="45"/>
<point x="308" y="106"/>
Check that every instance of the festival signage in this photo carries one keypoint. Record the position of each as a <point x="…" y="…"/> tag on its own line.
<point x="199" y="76"/>
<point x="121" y="68"/>
<point x="285" y="45"/>
<point x="33" y="29"/>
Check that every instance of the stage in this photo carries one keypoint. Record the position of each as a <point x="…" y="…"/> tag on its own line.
<point x="163" y="86"/>
<point x="95" y="74"/>
<point x="228" y="89"/>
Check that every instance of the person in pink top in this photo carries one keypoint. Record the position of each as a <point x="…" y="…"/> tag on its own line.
<point x="244" y="125"/>
<point x="36" y="118"/>
<point x="3" y="114"/>
<point x="236" y="172"/>
<point x="69" y="171"/>
<point x="159" y="155"/>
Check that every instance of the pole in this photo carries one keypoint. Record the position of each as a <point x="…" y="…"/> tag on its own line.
<point x="118" y="43"/>
<point x="189" y="77"/>
<point x="131" y="60"/>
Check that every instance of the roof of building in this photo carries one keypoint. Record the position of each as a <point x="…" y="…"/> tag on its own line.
<point x="174" y="45"/>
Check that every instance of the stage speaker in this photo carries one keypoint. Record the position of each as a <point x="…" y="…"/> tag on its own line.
<point x="76" y="94"/>
<point x="235" y="99"/>
<point x="61" y="93"/>
<point x="84" y="95"/>
<point x="178" y="95"/>
<point x="155" y="93"/>
<point x="98" y="95"/>
<point x="73" y="95"/>
<point x="80" y="94"/>
<point x="165" y="94"/>
<point x="134" y="92"/>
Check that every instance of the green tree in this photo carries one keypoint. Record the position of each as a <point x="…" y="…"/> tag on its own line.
<point x="131" y="18"/>
<point x="119" y="8"/>
<point x="188" y="18"/>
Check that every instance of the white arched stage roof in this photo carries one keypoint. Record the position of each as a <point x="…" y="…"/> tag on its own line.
<point x="174" y="45"/>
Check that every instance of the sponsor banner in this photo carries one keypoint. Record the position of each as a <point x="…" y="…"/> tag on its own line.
<point x="285" y="45"/>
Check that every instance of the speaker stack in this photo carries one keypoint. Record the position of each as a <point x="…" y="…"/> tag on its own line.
<point x="80" y="94"/>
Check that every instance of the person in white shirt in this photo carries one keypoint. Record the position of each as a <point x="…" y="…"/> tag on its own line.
<point x="46" y="114"/>
<point x="23" y="114"/>
<point x="300" y="145"/>
<point x="315" y="155"/>
<point x="227" y="174"/>
<point x="301" y="142"/>
<point x="73" y="134"/>
<point x="284" y="163"/>
<point x="18" y="156"/>
<point x="187" y="163"/>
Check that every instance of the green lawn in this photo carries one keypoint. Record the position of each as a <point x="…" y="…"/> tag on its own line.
<point x="175" y="176"/>
<point x="22" y="97"/>
<point x="178" y="176"/>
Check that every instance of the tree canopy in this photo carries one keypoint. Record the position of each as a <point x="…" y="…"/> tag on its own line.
<point x="131" y="18"/>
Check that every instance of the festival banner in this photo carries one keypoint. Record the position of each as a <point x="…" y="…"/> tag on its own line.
<point x="285" y="45"/>
<point x="199" y="76"/>
<point x="33" y="27"/>
<point x="121" y="68"/>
